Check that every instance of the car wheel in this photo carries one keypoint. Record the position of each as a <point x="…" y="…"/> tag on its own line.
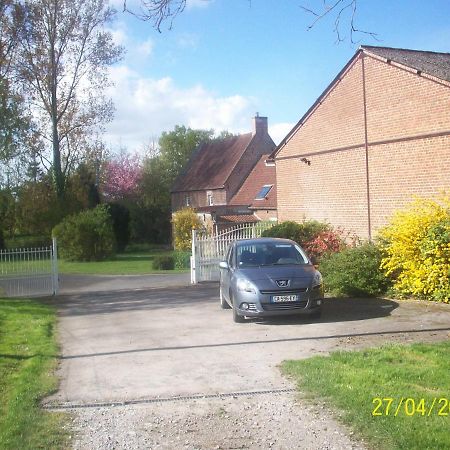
<point x="223" y="302"/>
<point x="236" y="317"/>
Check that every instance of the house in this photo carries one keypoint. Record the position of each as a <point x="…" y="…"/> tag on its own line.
<point x="216" y="173"/>
<point x="376" y="137"/>
<point x="259" y="191"/>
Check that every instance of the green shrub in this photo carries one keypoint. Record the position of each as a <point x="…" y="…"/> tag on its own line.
<point x="355" y="272"/>
<point x="120" y="216"/>
<point x="28" y="242"/>
<point x="298" y="232"/>
<point x="150" y="224"/>
<point x="416" y="249"/>
<point x="86" y="236"/>
<point x="163" y="262"/>
<point x="182" y="259"/>
<point x="184" y="221"/>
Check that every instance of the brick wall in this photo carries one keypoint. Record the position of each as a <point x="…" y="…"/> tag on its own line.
<point x="197" y="198"/>
<point x="331" y="189"/>
<point x="401" y="103"/>
<point x="266" y="214"/>
<point x="400" y="171"/>
<point x="408" y="130"/>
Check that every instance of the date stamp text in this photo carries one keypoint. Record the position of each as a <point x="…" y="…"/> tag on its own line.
<point x="408" y="406"/>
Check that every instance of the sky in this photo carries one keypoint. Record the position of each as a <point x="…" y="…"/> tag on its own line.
<point x="222" y="61"/>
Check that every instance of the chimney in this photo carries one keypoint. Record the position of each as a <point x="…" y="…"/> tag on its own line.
<point x="260" y="125"/>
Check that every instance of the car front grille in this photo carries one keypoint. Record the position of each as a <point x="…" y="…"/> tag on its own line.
<point x="285" y="291"/>
<point x="284" y="306"/>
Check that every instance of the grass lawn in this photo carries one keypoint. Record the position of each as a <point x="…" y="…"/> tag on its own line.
<point x="349" y="381"/>
<point x="136" y="262"/>
<point x="28" y="357"/>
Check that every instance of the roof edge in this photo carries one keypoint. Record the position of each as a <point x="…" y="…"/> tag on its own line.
<point x="369" y="51"/>
<point x="368" y="47"/>
<point x="318" y="101"/>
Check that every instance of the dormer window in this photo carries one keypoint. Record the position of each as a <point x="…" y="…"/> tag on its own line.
<point x="209" y="198"/>
<point x="262" y="194"/>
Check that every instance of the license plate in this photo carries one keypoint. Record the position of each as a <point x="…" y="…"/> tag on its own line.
<point x="284" y="298"/>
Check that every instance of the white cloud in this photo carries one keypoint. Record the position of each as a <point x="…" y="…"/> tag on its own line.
<point x="119" y="36"/>
<point x="278" y="131"/>
<point x="198" y="3"/>
<point x="135" y="50"/>
<point x="145" y="48"/>
<point x="145" y="107"/>
<point x="188" y="41"/>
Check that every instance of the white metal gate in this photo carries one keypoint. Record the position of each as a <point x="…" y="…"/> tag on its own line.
<point x="209" y="250"/>
<point x="29" y="272"/>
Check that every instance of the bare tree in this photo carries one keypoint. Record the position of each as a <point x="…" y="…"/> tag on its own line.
<point x="343" y="11"/>
<point x="65" y="53"/>
<point x="13" y="121"/>
<point x="156" y="11"/>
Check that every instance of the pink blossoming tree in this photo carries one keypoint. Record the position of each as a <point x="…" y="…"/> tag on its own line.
<point x="122" y="176"/>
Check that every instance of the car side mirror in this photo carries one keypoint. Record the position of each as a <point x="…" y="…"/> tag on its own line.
<point x="314" y="261"/>
<point x="223" y="265"/>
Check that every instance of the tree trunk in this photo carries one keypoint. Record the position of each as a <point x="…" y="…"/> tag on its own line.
<point x="58" y="176"/>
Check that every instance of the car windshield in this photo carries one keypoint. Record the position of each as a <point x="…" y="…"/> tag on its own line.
<point x="269" y="254"/>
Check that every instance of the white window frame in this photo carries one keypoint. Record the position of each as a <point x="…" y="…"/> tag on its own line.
<point x="270" y="186"/>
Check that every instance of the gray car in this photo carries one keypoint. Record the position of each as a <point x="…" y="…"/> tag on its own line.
<point x="269" y="277"/>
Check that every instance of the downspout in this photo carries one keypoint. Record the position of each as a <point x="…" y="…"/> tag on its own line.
<point x="366" y="145"/>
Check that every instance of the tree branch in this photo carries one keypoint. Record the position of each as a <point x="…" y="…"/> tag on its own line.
<point x="157" y="11"/>
<point x="338" y="7"/>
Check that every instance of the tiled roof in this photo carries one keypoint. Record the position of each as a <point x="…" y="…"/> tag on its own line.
<point x="237" y="218"/>
<point x="212" y="163"/>
<point x="431" y="63"/>
<point x="260" y="176"/>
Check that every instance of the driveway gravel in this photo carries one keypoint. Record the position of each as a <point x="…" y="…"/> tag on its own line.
<point x="271" y="421"/>
<point x="167" y="368"/>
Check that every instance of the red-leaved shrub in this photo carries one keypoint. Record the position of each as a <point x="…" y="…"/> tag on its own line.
<point x="330" y="241"/>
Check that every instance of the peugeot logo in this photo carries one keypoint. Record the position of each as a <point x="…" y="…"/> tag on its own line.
<point x="283" y="283"/>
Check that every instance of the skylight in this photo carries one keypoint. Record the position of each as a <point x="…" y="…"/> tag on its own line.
<point x="262" y="194"/>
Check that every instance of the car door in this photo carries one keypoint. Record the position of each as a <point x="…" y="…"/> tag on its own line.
<point x="225" y="274"/>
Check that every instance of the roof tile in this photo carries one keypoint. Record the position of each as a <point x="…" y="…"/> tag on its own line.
<point x="432" y="63"/>
<point x="211" y="164"/>
<point x="238" y="218"/>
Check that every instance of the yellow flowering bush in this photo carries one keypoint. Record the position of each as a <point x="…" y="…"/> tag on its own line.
<point x="416" y="248"/>
<point x="184" y="221"/>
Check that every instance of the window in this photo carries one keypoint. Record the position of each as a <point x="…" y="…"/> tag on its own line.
<point x="187" y="200"/>
<point x="230" y="256"/>
<point x="261" y="254"/>
<point x="209" y="197"/>
<point x="262" y="194"/>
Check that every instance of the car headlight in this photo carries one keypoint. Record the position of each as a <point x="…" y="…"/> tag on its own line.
<point x="317" y="279"/>
<point x="245" y="285"/>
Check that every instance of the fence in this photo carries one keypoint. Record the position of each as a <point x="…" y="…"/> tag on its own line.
<point x="29" y="272"/>
<point x="209" y="250"/>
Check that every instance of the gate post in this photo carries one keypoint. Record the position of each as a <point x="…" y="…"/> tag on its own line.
<point x="55" y="281"/>
<point x="193" y="259"/>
